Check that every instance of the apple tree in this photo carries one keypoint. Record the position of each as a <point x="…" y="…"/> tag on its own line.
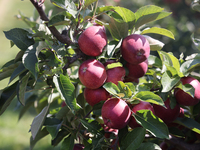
<point x="98" y="79"/>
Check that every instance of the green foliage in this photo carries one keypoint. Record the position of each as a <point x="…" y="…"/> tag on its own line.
<point x="45" y="74"/>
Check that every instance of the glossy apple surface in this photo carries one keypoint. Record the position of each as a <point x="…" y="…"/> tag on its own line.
<point x="93" y="40"/>
<point x="140" y="106"/>
<point x="115" y="113"/>
<point x="94" y="96"/>
<point x="184" y="98"/>
<point x="135" y="49"/>
<point x="137" y="70"/>
<point x="167" y="114"/>
<point x="92" y="73"/>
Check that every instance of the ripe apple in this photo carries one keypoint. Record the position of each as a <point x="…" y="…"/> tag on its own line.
<point x="167" y="114"/>
<point x="137" y="70"/>
<point x="78" y="147"/>
<point x="184" y="98"/>
<point x="92" y="73"/>
<point x="114" y="74"/>
<point x="140" y="106"/>
<point x="135" y="48"/>
<point x="115" y="113"/>
<point x="94" y="96"/>
<point x="63" y="104"/>
<point x="93" y="40"/>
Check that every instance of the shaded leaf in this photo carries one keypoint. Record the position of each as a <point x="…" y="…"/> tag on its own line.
<point x="152" y="123"/>
<point x="54" y="129"/>
<point x="19" y="70"/>
<point x="91" y="126"/>
<point x="149" y="146"/>
<point x="22" y="88"/>
<point x="133" y="139"/>
<point x="20" y="37"/>
<point x="38" y="122"/>
<point x="68" y="143"/>
<point x="88" y="2"/>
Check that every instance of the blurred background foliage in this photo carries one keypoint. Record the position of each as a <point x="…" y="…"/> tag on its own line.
<point x="182" y="23"/>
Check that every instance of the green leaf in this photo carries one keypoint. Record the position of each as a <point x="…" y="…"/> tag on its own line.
<point x="150" y="97"/>
<point x="155" y="45"/>
<point x="68" y="143"/>
<point x="133" y="139"/>
<point x="152" y="123"/>
<point x="7" y="95"/>
<point x="154" y="61"/>
<point x="168" y="83"/>
<point x="7" y="69"/>
<point x="22" y="88"/>
<point x="195" y="5"/>
<point x="38" y="122"/>
<point x="88" y="2"/>
<point x="67" y="91"/>
<point x="19" y="70"/>
<point x="113" y="65"/>
<point x="127" y="15"/>
<point x="124" y="89"/>
<point x="189" y="123"/>
<point x="149" y="146"/>
<point x="160" y="31"/>
<point x="58" y="20"/>
<point x="118" y="28"/>
<point x="38" y="137"/>
<point x="91" y="126"/>
<point x="30" y="60"/>
<point x="148" y="14"/>
<point x="54" y="129"/>
<point x="188" y="88"/>
<point x="112" y="46"/>
<point x="68" y="5"/>
<point x="111" y="88"/>
<point x="20" y="37"/>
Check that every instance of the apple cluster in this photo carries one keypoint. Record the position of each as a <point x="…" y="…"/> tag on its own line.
<point x="134" y="50"/>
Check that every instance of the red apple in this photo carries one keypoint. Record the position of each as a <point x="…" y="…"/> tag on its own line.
<point x="114" y="74"/>
<point x="135" y="48"/>
<point x="94" y="96"/>
<point x="63" y="104"/>
<point x="78" y="147"/>
<point x="115" y="113"/>
<point x="140" y="106"/>
<point x="184" y="98"/>
<point x="167" y="114"/>
<point x="137" y="70"/>
<point x="93" y="40"/>
<point x="92" y="73"/>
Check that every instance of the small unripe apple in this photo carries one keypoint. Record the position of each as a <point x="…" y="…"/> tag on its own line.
<point x="94" y="96"/>
<point x="135" y="48"/>
<point x="78" y="147"/>
<point x="93" y="40"/>
<point x="140" y="106"/>
<point x="137" y="70"/>
<point x="167" y="114"/>
<point x="115" y="113"/>
<point x="92" y="73"/>
<point x="184" y="98"/>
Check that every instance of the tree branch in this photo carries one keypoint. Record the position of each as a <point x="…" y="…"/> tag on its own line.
<point x="177" y="142"/>
<point x="62" y="38"/>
